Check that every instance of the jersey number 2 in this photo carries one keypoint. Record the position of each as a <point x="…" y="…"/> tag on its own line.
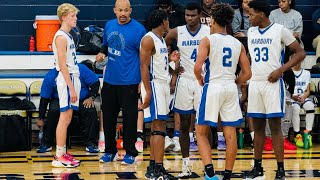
<point x="226" y="62"/>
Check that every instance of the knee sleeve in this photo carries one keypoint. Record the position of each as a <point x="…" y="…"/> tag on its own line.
<point x="309" y="107"/>
<point x="309" y="111"/>
<point x="158" y="133"/>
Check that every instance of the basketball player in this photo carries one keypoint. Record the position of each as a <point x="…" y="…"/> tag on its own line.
<point x="266" y="42"/>
<point x="187" y="93"/>
<point x="221" y="53"/>
<point x="68" y="82"/>
<point x="155" y="89"/>
<point x="301" y="100"/>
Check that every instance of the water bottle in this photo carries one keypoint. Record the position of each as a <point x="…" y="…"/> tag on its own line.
<point x="240" y="139"/>
<point x="306" y="140"/>
<point x="40" y="136"/>
<point x="32" y="44"/>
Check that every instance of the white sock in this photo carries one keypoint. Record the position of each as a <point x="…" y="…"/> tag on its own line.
<point x="60" y="150"/>
<point x="65" y="149"/>
<point x="220" y="133"/>
<point x="140" y="131"/>
<point x="191" y="136"/>
<point x="252" y="135"/>
<point x="185" y="161"/>
<point x="101" y="136"/>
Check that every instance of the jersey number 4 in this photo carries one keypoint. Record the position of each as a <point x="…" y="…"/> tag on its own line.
<point x="261" y="54"/>
<point x="194" y="55"/>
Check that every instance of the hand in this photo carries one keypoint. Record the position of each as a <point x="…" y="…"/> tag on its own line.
<point x="239" y="34"/>
<point x="318" y="21"/>
<point x="100" y="57"/>
<point x="200" y="81"/>
<point x="139" y="104"/>
<point x="175" y="56"/>
<point x="179" y="70"/>
<point x="73" y="96"/>
<point x="146" y="101"/>
<point x="88" y="103"/>
<point x="295" y="34"/>
<point x="301" y="99"/>
<point x="40" y="123"/>
<point x="139" y="88"/>
<point x="274" y="76"/>
<point x="295" y="97"/>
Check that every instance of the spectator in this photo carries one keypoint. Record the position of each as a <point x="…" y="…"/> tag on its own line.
<point x="87" y="112"/>
<point x="300" y="100"/>
<point x="205" y="11"/>
<point x="241" y="23"/>
<point x="121" y="80"/>
<point x="288" y="17"/>
<point x="316" y="27"/>
<point x="175" y="12"/>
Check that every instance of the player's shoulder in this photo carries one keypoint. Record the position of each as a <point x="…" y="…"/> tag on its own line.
<point x="205" y="28"/>
<point x="306" y="72"/>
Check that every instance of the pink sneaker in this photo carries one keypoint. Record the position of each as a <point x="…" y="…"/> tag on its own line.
<point x="139" y="145"/>
<point x="101" y="146"/>
<point x="64" y="161"/>
<point x="72" y="158"/>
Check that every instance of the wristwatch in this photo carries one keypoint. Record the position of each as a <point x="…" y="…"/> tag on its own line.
<point x="93" y="98"/>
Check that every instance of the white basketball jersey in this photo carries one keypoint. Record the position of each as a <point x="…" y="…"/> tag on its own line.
<point x="159" y="65"/>
<point x="71" y="60"/>
<point x="223" y="57"/>
<point x="303" y="79"/>
<point x="188" y="46"/>
<point x="266" y="49"/>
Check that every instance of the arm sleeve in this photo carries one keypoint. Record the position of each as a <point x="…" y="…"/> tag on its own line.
<point x="286" y="36"/>
<point x="43" y="107"/>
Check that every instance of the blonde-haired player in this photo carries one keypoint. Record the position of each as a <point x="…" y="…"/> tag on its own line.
<point x="68" y="82"/>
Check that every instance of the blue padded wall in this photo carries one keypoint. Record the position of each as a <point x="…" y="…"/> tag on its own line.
<point x="17" y="17"/>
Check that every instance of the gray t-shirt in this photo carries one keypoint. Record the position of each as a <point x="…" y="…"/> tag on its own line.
<point x="291" y="20"/>
<point x="236" y="22"/>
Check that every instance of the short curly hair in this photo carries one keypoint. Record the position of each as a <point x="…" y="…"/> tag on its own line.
<point x="222" y="14"/>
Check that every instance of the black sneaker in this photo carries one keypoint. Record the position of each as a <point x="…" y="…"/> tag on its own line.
<point x="280" y="175"/>
<point x="169" y="176"/>
<point x="254" y="174"/>
<point x="156" y="176"/>
<point x="149" y="172"/>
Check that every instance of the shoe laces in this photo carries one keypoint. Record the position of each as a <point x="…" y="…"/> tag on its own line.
<point x="299" y="137"/>
<point x="69" y="157"/>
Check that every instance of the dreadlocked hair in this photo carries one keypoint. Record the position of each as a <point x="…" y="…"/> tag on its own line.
<point x="222" y="14"/>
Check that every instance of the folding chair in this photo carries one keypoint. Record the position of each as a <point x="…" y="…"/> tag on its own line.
<point x="10" y="88"/>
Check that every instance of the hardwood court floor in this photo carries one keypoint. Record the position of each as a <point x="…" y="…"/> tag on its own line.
<point x="300" y="164"/>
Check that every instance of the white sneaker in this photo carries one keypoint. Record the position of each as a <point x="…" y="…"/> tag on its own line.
<point x="177" y="147"/>
<point x="186" y="171"/>
<point x="168" y="144"/>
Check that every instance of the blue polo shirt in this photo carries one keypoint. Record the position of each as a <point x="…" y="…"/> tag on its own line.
<point x="123" y="42"/>
<point x="49" y="84"/>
